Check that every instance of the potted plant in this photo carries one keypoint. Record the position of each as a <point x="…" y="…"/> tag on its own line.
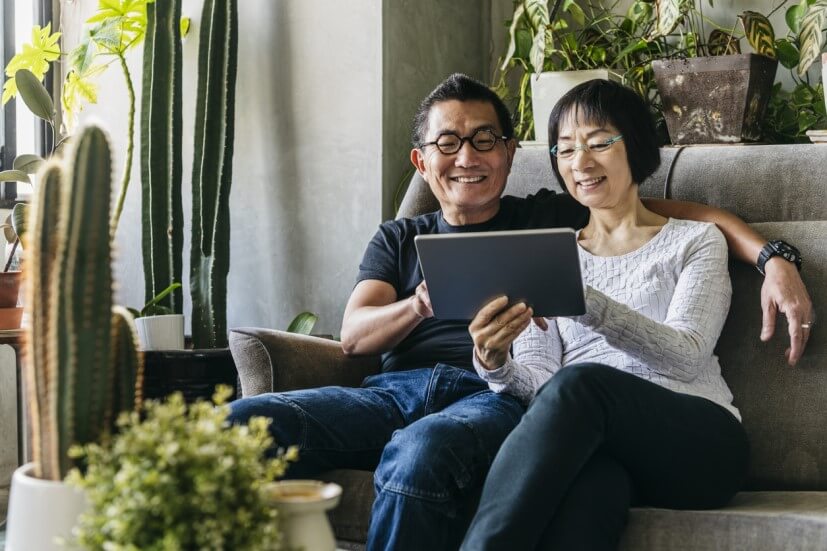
<point x="711" y="92"/>
<point x="157" y="326"/>
<point x="178" y="477"/>
<point x="553" y="46"/>
<point x="80" y="365"/>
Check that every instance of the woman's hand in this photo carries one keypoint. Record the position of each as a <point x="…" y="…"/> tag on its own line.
<point x="495" y="327"/>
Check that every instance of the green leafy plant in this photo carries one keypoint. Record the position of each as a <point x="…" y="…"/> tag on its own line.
<point x="791" y="113"/>
<point x="154" y="307"/>
<point x="117" y="27"/>
<point x="180" y="478"/>
<point x="563" y="36"/>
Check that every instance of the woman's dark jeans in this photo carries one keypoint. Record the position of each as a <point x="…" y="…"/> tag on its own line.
<point x="594" y="441"/>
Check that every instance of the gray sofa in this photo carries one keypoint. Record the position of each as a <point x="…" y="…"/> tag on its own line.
<point x="781" y="191"/>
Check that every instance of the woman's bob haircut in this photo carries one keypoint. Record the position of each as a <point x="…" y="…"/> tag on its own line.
<point x="599" y="102"/>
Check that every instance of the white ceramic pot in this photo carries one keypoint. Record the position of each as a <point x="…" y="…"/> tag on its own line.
<point x="161" y="332"/>
<point x="302" y="505"/>
<point x="41" y="512"/>
<point x="547" y="88"/>
<point x="824" y="76"/>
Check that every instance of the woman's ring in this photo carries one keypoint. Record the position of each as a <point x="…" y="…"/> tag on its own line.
<point x="807" y="325"/>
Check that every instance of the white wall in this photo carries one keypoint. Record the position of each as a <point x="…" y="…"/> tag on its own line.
<point x="324" y="87"/>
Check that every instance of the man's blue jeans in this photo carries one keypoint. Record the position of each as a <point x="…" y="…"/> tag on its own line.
<point x="430" y="434"/>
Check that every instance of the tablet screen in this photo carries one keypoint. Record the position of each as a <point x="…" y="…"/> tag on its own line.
<point x="464" y="271"/>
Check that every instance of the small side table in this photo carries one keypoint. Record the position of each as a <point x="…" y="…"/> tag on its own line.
<point x="14" y="338"/>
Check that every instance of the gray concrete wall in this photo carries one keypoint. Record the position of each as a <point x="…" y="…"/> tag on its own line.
<point x="423" y="41"/>
<point x="306" y="192"/>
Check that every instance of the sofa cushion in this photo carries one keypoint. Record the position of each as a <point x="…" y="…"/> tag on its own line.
<point x="754" y="521"/>
<point x="783" y="408"/>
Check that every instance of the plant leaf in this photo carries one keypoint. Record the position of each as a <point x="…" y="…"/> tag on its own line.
<point x="14" y="176"/>
<point x="19" y="216"/>
<point x="537" y="56"/>
<point x="670" y="13"/>
<point x="185" y="26"/>
<point x="28" y="163"/>
<point x="512" y="32"/>
<point x="723" y="43"/>
<point x="35" y="57"/>
<point x="153" y="306"/>
<point x="787" y="53"/>
<point x="759" y="32"/>
<point x="811" y="37"/>
<point x="35" y="95"/>
<point x="793" y="17"/>
<point x="537" y="12"/>
<point x="303" y="323"/>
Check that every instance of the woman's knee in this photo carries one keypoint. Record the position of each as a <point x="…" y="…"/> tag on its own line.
<point x="575" y="378"/>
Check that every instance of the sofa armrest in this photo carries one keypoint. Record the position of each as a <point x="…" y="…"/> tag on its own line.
<point x="275" y="361"/>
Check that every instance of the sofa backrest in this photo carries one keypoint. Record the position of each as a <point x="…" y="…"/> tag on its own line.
<point x="781" y="191"/>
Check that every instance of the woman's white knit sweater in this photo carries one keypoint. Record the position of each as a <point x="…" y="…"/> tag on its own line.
<point x="656" y="312"/>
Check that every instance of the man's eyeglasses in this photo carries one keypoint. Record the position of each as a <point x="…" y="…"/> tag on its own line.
<point x="481" y="140"/>
<point x="567" y="151"/>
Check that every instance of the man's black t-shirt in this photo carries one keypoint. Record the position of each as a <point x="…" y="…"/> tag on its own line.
<point x="391" y="257"/>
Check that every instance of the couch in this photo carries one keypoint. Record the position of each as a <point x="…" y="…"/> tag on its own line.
<point x="780" y="191"/>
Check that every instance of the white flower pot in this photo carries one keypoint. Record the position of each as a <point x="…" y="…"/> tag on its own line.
<point x="547" y="88"/>
<point x="42" y="513"/>
<point x="161" y="332"/>
<point x="302" y="505"/>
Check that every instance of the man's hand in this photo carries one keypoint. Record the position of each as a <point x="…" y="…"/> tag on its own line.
<point x="784" y="292"/>
<point x="495" y="327"/>
<point x="421" y="302"/>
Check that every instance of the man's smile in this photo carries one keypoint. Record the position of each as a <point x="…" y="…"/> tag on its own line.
<point x="467" y="179"/>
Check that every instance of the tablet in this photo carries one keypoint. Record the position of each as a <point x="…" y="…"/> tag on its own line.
<point x="464" y="271"/>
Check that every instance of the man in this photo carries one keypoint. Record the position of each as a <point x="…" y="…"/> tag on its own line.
<point x="427" y="424"/>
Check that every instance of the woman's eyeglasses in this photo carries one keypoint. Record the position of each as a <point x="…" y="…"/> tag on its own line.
<point x="568" y="151"/>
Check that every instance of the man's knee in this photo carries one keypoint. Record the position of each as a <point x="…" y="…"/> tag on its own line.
<point x="436" y="459"/>
<point x="286" y="418"/>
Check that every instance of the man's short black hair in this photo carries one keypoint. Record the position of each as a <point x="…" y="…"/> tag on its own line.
<point x="603" y="101"/>
<point x="459" y="87"/>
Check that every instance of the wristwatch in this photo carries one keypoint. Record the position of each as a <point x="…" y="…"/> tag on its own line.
<point x="778" y="248"/>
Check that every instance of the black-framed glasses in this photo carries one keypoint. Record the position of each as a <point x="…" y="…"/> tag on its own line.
<point x="482" y="140"/>
<point x="567" y="151"/>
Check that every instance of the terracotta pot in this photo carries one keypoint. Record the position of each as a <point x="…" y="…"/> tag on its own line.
<point x="9" y="289"/>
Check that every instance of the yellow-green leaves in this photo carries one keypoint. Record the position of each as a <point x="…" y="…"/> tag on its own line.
<point x="811" y="36"/>
<point x="759" y="33"/>
<point x="122" y="24"/>
<point x="185" y="26"/>
<point x="35" y="57"/>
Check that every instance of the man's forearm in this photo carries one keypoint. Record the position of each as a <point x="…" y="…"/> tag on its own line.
<point x="377" y="329"/>
<point x="744" y="243"/>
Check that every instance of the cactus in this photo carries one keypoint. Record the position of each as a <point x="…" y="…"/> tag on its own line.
<point x="162" y="211"/>
<point x="212" y="172"/>
<point x="81" y="364"/>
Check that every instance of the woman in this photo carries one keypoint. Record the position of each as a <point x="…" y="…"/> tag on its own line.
<point x="628" y="405"/>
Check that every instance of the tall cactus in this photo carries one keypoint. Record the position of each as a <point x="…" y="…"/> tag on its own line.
<point x="161" y="166"/>
<point x="212" y="172"/>
<point x="81" y="365"/>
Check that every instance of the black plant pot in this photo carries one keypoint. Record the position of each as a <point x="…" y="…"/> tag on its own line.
<point x="194" y="373"/>
<point x="717" y="99"/>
